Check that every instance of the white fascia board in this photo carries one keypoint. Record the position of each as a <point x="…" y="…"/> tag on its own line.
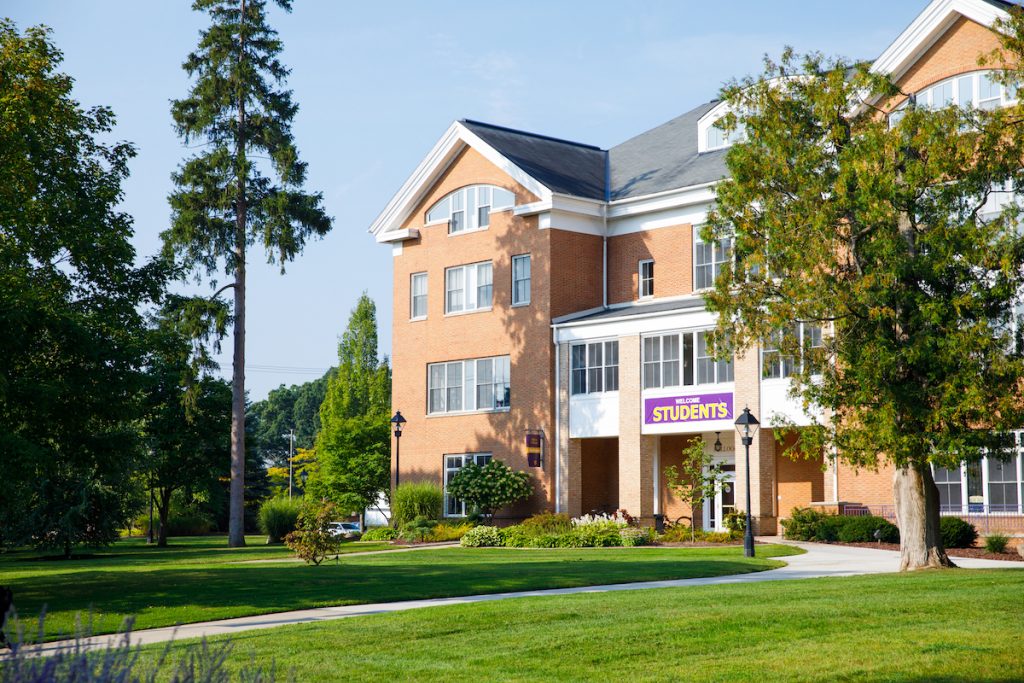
<point x="683" y="196"/>
<point x="398" y="235"/>
<point x="455" y="139"/>
<point x="645" y="324"/>
<point x="928" y="27"/>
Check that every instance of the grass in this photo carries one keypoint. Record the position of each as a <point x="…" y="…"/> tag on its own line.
<point x="198" y="581"/>
<point x="948" y="625"/>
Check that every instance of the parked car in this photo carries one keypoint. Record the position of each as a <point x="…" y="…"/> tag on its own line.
<point x="345" y="529"/>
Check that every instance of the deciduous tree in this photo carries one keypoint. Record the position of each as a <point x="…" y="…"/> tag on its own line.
<point x="881" y="234"/>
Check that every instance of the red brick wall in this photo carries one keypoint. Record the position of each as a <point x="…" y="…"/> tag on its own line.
<point x="801" y="481"/>
<point x="600" y="475"/>
<point x="672" y="251"/>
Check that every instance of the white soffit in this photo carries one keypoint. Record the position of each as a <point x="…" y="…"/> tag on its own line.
<point x="416" y="187"/>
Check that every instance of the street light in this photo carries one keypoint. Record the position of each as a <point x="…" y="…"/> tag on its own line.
<point x="398" y="421"/>
<point x="746" y="425"/>
<point x="303" y="475"/>
<point x="291" y="456"/>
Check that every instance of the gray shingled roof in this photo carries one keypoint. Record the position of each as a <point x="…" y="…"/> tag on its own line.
<point x="664" y="158"/>
<point x="619" y="312"/>
<point x="560" y="165"/>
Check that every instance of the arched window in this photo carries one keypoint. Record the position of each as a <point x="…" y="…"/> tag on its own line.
<point x="470" y="208"/>
<point x="976" y="89"/>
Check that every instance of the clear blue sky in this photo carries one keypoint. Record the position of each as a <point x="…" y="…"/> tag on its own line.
<point x="379" y="82"/>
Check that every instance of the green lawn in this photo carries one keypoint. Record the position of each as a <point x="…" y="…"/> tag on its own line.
<point x="199" y="581"/>
<point x="952" y="625"/>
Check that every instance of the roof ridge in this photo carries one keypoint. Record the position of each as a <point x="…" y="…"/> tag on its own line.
<point x="532" y="135"/>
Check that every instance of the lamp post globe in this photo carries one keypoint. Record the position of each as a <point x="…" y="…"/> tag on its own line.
<point x="398" y="422"/>
<point x="746" y="425"/>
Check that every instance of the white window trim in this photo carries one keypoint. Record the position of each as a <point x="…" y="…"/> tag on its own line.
<point x="693" y="259"/>
<point x="412" y="296"/>
<point x="470" y="285"/>
<point x="466" y="390"/>
<point x="682" y="365"/>
<point x="924" y="95"/>
<point x="529" y="281"/>
<point x="587" y="367"/>
<point x="987" y="505"/>
<point x="471" y="220"/>
<point x="640" y="279"/>
<point x="476" y="457"/>
<point x="797" y="362"/>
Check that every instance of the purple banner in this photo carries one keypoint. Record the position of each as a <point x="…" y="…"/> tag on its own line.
<point x="696" y="408"/>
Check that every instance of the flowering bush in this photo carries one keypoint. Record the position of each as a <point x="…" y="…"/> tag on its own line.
<point x="481" y="537"/>
<point x="601" y="521"/>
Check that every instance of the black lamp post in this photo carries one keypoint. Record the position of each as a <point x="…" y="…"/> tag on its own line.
<point x="398" y="421"/>
<point x="746" y="425"/>
<point x="303" y="475"/>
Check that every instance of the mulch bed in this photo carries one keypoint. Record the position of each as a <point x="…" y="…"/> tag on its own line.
<point x="978" y="553"/>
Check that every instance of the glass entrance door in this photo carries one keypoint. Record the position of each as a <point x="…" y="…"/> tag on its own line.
<point x="724" y="501"/>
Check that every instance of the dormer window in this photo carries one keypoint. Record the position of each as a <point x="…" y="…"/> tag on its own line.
<point x="710" y="134"/>
<point x="718" y="138"/>
<point x="470" y="208"/>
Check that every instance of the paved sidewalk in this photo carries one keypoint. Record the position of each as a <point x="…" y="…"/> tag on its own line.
<point x="819" y="561"/>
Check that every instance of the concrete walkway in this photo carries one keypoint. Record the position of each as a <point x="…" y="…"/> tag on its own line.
<point x="820" y="561"/>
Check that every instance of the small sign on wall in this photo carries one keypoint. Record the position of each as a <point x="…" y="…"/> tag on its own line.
<point x="535" y="448"/>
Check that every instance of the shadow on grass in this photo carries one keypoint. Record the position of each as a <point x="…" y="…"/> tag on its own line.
<point x="165" y="596"/>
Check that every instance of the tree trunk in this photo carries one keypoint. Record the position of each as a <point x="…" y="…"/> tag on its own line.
<point x="917" y="514"/>
<point x="236" y="509"/>
<point x="163" y="510"/>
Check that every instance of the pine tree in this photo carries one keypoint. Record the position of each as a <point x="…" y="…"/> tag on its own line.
<point x="227" y="196"/>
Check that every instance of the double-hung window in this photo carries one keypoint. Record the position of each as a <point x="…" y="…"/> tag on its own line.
<point x="477" y="385"/>
<point x="468" y="288"/>
<point x="418" y="296"/>
<point x="994" y="484"/>
<point x="521" y="280"/>
<point x="775" y="364"/>
<point x="682" y="359"/>
<point x="454" y="507"/>
<point x="646" y="278"/>
<point x="595" y="367"/>
<point x="709" y="259"/>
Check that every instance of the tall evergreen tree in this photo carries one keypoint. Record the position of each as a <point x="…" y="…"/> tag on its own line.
<point x="226" y="199"/>
<point x="352" y="449"/>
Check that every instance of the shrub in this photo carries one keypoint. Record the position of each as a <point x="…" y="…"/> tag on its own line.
<point x="516" y="536"/>
<point x="418" y="529"/>
<point x="489" y="488"/>
<point x="314" y="539"/>
<point x="862" y="530"/>
<point x="736" y="523"/>
<point x="677" y="533"/>
<point x="380" y="533"/>
<point x="633" y="536"/>
<point x="416" y="499"/>
<point x="802" y="524"/>
<point x="449" y="531"/>
<point x="278" y="517"/>
<point x="481" y="537"/>
<point x="956" y="533"/>
<point x="715" y="536"/>
<point x="595" y="535"/>
<point x="996" y="543"/>
<point x="600" y="521"/>
<point x="547" y="523"/>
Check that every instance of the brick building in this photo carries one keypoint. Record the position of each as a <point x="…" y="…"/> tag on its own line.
<point x="546" y="289"/>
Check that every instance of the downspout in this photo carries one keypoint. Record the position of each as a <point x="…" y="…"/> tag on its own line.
<point x="604" y="232"/>
<point x="558" y="421"/>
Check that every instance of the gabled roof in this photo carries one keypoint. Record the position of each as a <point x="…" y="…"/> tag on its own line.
<point x="929" y="26"/>
<point x="664" y="158"/>
<point x="562" y="166"/>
